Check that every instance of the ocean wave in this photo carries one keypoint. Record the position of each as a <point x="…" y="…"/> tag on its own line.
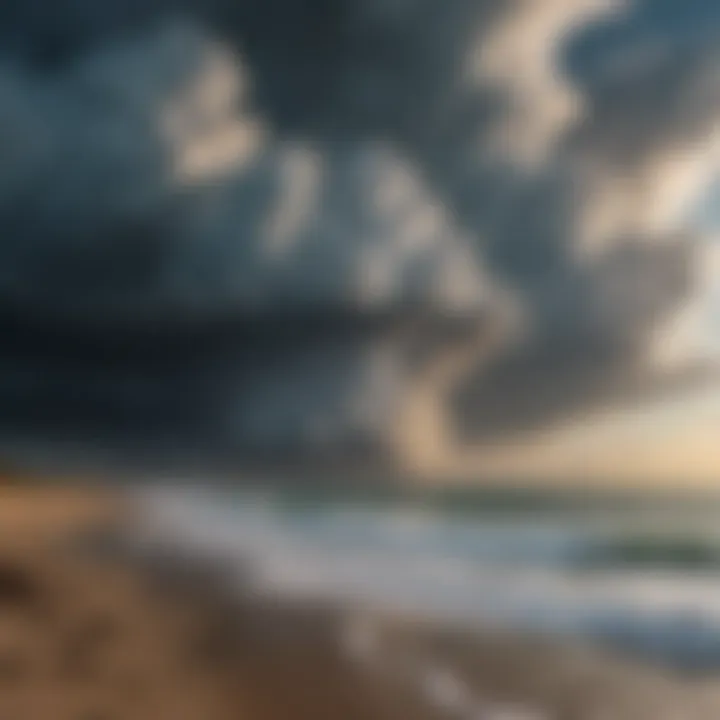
<point x="648" y="593"/>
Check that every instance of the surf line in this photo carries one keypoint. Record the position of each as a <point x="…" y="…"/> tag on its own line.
<point x="441" y="687"/>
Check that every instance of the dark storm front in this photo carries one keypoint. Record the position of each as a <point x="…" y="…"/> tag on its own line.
<point x="185" y="160"/>
<point x="134" y="378"/>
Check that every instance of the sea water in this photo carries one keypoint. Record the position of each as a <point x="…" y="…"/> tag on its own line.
<point x="640" y="575"/>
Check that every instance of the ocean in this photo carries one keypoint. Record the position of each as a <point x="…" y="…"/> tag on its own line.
<point x="638" y="574"/>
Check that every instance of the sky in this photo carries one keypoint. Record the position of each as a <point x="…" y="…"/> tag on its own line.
<point x="706" y="214"/>
<point x="434" y="233"/>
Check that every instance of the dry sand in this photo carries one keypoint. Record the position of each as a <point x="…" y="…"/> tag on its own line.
<point x="100" y="636"/>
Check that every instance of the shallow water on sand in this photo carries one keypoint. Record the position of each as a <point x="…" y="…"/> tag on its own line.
<point x="643" y="578"/>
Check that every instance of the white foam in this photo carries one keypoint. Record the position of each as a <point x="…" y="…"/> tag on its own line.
<point x="407" y="567"/>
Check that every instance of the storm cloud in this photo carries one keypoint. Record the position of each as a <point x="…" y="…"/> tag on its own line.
<point x="322" y="227"/>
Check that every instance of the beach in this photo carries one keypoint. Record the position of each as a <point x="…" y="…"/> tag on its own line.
<point x="91" y="631"/>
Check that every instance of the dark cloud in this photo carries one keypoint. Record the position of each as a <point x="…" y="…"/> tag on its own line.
<point x="289" y="224"/>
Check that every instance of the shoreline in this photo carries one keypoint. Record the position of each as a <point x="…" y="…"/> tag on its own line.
<point x="201" y="649"/>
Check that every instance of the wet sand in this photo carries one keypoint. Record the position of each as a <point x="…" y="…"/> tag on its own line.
<point x="90" y="633"/>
